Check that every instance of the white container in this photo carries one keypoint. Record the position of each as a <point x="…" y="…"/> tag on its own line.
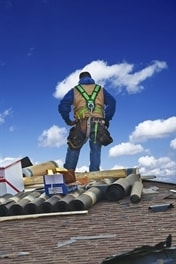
<point x="11" y="177"/>
<point x="54" y="184"/>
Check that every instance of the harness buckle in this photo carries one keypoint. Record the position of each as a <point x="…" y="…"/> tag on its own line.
<point x="90" y="105"/>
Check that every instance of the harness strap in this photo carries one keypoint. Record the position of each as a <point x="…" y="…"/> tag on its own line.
<point x="96" y="130"/>
<point x="88" y="127"/>
<point x="90" y="99"/>
<point x="82" y="111"/>
<point x="83" y="92"/>
<point x="90" y="105"/>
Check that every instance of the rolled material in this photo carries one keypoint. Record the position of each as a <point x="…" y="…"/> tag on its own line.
<point x="33" y="207"/>
<point x="117" y="190"/>
<point x="121" y="187"/>
<point x="18" y="208"/>
<point x="107" y="181"/>
<point x="5" y="197"/>
<point x="50" y="204"/>
<point x="39" y="169"/>
<point x="104" y="181"/>
<point x="131" y="178"/>
<point x="63" y="205"/>
<point x="101" y="184"/>
<point x="136" y="192"/>
<point x="6" y="205"/>
<point x="86" y="199"/>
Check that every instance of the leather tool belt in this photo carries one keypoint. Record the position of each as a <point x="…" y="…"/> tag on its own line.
<point x="79" y="134"/>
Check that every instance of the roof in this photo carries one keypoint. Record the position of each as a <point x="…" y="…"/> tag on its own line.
<point x="107" y="228"/>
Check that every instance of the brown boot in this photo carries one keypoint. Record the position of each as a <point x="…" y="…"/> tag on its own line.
<point x="69" y="176"/>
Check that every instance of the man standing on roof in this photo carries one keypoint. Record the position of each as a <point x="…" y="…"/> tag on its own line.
<point x="92" y="106"/>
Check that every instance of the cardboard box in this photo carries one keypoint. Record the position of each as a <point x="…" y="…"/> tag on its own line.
<point x="54" y="184"/>
<point x="11" y="177"/>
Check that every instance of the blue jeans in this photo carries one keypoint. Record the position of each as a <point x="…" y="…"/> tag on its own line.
<point x="72" y="155"/>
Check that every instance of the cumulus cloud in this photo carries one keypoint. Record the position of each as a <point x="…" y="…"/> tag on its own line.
<point x="125" y="149"/>
<point x="163" y="168"/>
<point x="53" y="137"/>
<point x="60" y="162"/>
<point x="149" y="129"/>
<point x="133" y="80"/>
<point x="116" y="76"/>
<point x="173" y="143"/>
<point x="5" y="114"/>
<point x="117" y="167"/>
<point x="83" y="169"/>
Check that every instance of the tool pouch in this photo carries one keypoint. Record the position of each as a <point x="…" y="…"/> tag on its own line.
<point x="103" y="135"/>
<point x="76" y="138"/>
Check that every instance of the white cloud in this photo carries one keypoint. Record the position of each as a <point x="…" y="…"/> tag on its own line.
<point x="125" y="149"/>
<point x="4" y="114"/>
<point x="53" y="137"/>
<point x="133" y="80"/>
<point x="173" y="143"/>
<point x="117" y="167"/>
<point x="163" y="168"/>
<point x="60" y="163"/>
<point x="83" y="169"/>
<point x="64" y="86"/>
<point x="153" y="129"/>
<point x="116" y="76"/>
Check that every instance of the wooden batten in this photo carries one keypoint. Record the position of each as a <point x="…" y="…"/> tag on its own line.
<point x="33" y="216"/>
<point x="95" y="175"/>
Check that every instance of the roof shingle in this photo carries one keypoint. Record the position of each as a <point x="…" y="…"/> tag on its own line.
<point x="122" y="224"/>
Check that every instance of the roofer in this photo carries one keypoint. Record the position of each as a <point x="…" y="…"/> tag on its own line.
<point x="93" y="108"/>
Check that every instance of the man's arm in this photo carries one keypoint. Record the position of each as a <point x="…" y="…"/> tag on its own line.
<point x="64" y="107"/>
<point x="110" y="105"/>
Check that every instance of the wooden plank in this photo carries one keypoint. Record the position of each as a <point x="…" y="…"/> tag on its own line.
<point x="32" y="216"/>
<point x="34" y="180"/>
<point x="94" y="175"/>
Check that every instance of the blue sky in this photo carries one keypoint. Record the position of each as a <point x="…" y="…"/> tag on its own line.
<point x="129" y="48"/>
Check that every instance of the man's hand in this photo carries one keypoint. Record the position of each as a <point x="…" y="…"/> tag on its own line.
<point x="71" y="122"/>
<point x="106" y="123"/>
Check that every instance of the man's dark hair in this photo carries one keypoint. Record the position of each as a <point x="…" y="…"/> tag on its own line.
<point x="84" y="74"/>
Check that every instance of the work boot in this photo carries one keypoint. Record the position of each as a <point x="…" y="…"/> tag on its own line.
<point x="69" y="176"/>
